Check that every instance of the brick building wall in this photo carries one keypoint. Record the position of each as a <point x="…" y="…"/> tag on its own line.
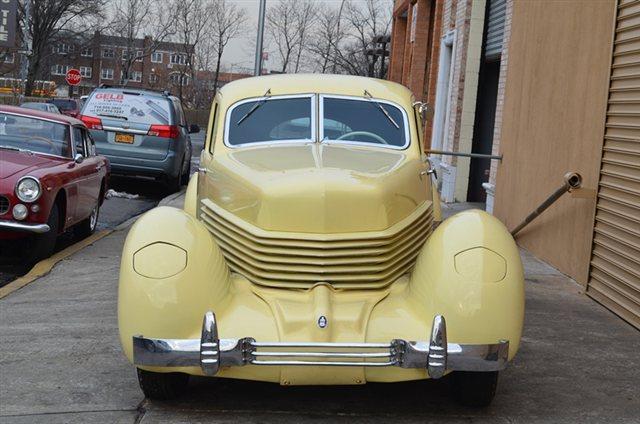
<point x="415" y="63"/>
<point x="415" y="48"/>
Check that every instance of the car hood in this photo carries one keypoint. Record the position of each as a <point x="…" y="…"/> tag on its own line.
<point x="13" y="162"/>
<point x="317" y="188"/>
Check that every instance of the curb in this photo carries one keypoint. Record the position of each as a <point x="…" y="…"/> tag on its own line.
<point x="45" y="266"/>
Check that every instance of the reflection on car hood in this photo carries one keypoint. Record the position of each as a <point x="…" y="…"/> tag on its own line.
<point x="317" y="188"/>
<point x="13" y="162"/>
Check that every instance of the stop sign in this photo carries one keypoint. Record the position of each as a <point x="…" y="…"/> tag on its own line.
<point x="73" y="77"/>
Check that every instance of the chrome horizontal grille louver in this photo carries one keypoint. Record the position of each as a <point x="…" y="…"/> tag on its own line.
<point x="300" y="260"/>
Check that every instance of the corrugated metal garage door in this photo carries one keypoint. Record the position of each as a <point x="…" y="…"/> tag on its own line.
<point x="495" y="29"/>
<point x="615" y="264"/>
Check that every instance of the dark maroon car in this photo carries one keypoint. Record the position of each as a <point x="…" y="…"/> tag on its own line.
<point x="50" y="180"/>
<point x="69" y="107"/>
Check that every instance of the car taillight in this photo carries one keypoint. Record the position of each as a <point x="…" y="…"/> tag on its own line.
<point x="166" y="131"/>
<point x="91" y="122"/>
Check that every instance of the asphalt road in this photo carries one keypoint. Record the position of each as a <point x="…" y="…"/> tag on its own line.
<point x="61" y="362"/>
<point x="116" y="209"/>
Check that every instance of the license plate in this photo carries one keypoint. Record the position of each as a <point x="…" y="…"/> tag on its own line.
<point x="124" y="138"/>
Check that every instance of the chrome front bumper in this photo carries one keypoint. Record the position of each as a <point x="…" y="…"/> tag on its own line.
<point x="211" y="353"/>
<point x="29" y="228"/>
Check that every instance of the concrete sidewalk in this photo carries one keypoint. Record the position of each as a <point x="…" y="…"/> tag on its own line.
<point x="60" y="361"/>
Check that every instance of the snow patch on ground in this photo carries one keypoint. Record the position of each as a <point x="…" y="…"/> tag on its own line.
<point x="120" y="194"/>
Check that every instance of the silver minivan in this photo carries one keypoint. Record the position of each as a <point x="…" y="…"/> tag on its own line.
<point x="142" y="133"/>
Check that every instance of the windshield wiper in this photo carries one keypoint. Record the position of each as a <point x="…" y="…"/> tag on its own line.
<point x="266" y="96"/>
<point x="370" y="97"/>
<point x="112" y="116"/>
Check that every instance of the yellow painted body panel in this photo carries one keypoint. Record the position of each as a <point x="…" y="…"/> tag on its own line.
<point x="469" y="269"/>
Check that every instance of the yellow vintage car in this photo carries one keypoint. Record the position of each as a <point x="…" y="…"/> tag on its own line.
<point x="310" y="252"/>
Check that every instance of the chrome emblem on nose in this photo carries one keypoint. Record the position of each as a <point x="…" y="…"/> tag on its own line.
<point x="322" y="321"/>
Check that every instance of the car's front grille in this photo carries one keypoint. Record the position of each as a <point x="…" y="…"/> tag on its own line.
<point x="373" y="259"/>
<point x="4" y="205"/>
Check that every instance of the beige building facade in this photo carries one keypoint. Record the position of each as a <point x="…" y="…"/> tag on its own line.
<point x="552" y="87"/>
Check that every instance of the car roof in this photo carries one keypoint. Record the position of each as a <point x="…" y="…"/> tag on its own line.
<point x="346" y="85"/>
<point x="63" y="119"/>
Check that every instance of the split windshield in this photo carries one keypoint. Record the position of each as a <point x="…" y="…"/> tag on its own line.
<point x="33" y="134"/>
<point x="364" y="121"/>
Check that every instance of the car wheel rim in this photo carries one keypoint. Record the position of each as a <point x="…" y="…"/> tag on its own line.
<point x="93" y="219"/>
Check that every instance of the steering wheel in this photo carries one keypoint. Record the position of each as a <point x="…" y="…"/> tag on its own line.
<point x="365" y="133"/>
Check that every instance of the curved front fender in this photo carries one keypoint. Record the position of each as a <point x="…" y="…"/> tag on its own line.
<point x="470" y="272"/>
<point x="170" y="274"/>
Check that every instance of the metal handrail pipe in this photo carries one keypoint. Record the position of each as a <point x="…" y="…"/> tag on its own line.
<point x="464" y="155"/>
<point x="572" y="181"/>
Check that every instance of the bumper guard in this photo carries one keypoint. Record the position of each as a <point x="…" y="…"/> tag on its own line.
<point x="211" y="353"/>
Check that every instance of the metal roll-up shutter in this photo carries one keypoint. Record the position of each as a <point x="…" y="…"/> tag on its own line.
<point x="495" y="29"/>
<point x="614" y="277"/>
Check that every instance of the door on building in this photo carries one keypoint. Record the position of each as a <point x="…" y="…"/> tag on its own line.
<point x="487" y="99"/>
<point x="614" y="277"/>
<point x="483" y="129"/>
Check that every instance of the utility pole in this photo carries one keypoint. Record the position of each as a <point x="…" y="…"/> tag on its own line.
<point x="258" y="65"/>
<point x="26" y="49"/>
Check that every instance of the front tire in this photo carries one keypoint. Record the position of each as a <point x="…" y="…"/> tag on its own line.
<point x="475" y="389"/>
<point x="162" y="386"/>
<point x="43" y="245"/>
<point x="88" y="226"/>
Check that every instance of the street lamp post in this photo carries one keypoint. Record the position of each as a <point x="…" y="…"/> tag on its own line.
<point x="259" y="40"/>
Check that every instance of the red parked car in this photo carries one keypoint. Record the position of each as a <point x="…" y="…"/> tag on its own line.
<point x="50" y="180"/>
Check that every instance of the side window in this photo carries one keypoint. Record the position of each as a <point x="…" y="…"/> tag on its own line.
<point x="91" y="145"/>
<point x="212" y="135"/>
<point x="78" y="139"/>
<point x="179" y="113"/>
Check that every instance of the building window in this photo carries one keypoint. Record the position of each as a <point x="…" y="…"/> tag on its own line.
<point x="8" y="58"/>
<point x="153" y="79"/>
<point x="178" y="59"/>
<point x="86" y="52"/>
<point x="59" y="69"/>
<point x="108" y="53"/>
<point x="86" y="71"/>
<point x="136" y="76"/>
<point x="179" y="79"/>
<point x="156" y="57"/>
<point x="62" y="48"/>
<point x="139" y="55"/>
<point x="106" y="74"/>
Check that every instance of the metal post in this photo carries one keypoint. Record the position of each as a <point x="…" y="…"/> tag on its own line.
<point x="259" y="40"/>
<point x="26" y="47"/>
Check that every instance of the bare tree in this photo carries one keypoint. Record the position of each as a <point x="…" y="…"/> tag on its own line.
<point x="46" y="19"/>
<point x="305" y="16"/>
<point x="345" y="37"/>
<point x="283" y="30"/>
<point x="326" y="37"/>
<point x="131" y="20"/>
<point x="365" y="22"/>
<point x="227" y="22"/>
<point x="289" y="25"/>
<point x="193" y="20"/>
